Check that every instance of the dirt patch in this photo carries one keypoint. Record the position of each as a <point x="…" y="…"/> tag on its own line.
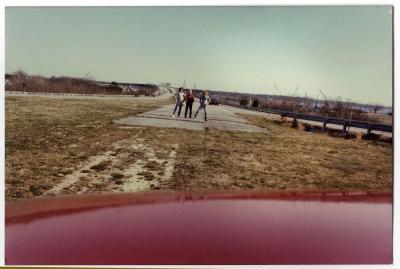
<point x="47" y="139"/>
<point x="115" y="170"/>
<point x="101" y="166"/>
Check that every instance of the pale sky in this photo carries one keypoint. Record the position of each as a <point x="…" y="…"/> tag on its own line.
<point x="344" y="51"/>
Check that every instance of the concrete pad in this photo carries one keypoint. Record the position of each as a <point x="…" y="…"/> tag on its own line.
<point x="219" y="118"/>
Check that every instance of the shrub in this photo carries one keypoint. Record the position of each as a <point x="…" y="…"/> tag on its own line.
<point x="244" y="102"/>
<point x="255" y="103"/>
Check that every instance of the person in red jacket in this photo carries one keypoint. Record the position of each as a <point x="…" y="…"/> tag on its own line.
<point x="189" y="98"/>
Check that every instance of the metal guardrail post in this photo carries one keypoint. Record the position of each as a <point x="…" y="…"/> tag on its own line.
<point x="295" y="123"/>
<point x="324" y="125"/>
<point x="370" y="128"/>
<point x="344" y="130"/>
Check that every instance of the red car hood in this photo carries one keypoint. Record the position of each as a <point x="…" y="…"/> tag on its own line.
<point x="201" y="228"/>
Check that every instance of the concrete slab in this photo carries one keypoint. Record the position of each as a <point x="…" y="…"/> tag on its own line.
<point x="219" y="118"/>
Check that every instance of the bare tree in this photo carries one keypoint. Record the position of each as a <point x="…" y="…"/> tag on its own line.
<point x="20" y="74"/>
<point x="255" y="103"/>
<point x="338" y="108"/>
<point x="307" y="103"/>
<point x="376" y="107"/>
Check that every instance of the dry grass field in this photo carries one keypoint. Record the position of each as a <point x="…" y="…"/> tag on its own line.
<point x="65" y="146"/>
<point x="381" y="118"/>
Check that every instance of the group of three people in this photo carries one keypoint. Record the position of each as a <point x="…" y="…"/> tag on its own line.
<point x="188" y="99"/>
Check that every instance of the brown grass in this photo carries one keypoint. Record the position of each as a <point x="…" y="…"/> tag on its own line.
<point x="381" y="118"/>
<point x="282" y="159"/>
<point x="47" y="139"/>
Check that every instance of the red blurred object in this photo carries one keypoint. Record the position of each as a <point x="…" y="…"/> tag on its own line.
<point x="201" y="228"/>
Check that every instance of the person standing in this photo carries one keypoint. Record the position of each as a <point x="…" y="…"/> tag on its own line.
<point x="204" y="101"/>
<point x="179" y="99"/>
<point x="189" y="98"/>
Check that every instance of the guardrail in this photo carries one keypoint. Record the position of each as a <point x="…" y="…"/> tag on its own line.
<point x="74" y="94"/>
<point x="58" y="93"/>
<point x="369" y="126"/>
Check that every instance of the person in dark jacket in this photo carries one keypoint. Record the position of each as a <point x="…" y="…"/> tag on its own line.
<point x="189" y="98"/>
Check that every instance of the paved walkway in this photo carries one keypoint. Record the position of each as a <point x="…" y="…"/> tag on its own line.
<point x="219" y="117"/>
